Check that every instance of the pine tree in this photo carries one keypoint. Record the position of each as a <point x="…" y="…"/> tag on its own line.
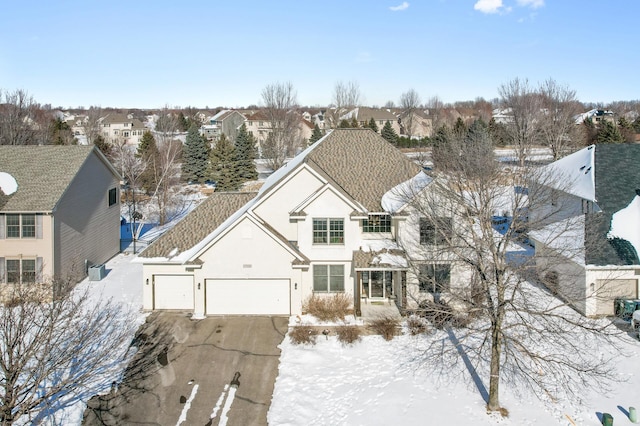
<point x="148" y="152"/>
<point x="316" y="135"/>
<point x="372" y="125"/>
<point x="344" y="124"/>
<point x="459" y="128"/>
<point x="609" y="133"/>
<point x="195" y="157"/>
<point x="182" y="122"/>
<point x="389" y="134"/>
<point x="223" y="166"/>
<point x="354" y="123"/>
<point x="102" y="145"/>
<point x="245" y="154"/>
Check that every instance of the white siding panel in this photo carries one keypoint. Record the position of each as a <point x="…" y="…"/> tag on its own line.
<point x="173" y="292"/>
<point x="248" y="297"/>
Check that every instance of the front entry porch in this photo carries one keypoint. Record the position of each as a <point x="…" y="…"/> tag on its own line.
<point x="379" y="292"/>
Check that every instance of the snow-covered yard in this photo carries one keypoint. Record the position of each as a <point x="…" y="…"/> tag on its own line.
<point x="376" y="382"/>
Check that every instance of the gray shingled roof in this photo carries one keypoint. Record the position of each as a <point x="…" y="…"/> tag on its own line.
<point x="43" y="174"/>
<point x="617" y="177"/>
<point x="199" y="223"/>
<point x="363" y="164"/>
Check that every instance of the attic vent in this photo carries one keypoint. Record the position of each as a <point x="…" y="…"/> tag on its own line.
<point x="591" y="147"/>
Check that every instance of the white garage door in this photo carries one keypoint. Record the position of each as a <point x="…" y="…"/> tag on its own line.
<point x="173" y="292"/>
<point x="248" y="297"/>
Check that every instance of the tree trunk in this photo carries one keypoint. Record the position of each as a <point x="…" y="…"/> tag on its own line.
<point x="496" y="350"/>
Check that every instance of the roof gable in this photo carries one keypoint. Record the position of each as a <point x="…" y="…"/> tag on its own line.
<point x="43" y="174"/>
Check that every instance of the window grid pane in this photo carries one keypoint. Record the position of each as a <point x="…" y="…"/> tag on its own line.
<point x="13" y="226"/>
<point x="320" y="278"/>
<point x="377" y="223"/>
<point x="13" y="271"/>
<point x="319" y="231"/>
<point x="28" y="271"/>
<point x="336" y="231"/>
<point x="336" y="278"/>
<point x="28" y="226"/>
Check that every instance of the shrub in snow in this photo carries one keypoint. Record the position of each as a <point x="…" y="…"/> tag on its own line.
<point x="333" y="308"/>
<point x="386" y="326"/>
<point x="417" y="325"/>
<point x="303" y="335"/>
<point x="348" y="333"/>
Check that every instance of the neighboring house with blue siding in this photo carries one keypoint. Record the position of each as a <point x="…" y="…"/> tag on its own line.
<point x="63" y="217"/>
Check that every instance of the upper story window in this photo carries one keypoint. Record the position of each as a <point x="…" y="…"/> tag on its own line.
<point x="377" y="223"/>
<point x="435" y="232"/>
<point x="328" y="231"/>
<point x="20" y="226"/>
<point x="113" y="196"/>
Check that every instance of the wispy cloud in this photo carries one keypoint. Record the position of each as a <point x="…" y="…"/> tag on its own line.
<point x="533" y="4"/>
<point x="400" y="7"/>
<point x="363" y="57"/>
<point x="489" y="6"/>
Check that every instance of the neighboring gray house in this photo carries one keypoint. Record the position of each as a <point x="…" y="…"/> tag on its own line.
<point x="64" y="215"/>
<point x="227" y="122"/>
<point x="596" y="201"/>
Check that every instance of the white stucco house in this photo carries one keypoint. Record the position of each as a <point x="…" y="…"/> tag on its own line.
<point x="327" y="222"/>
<point x="595" y="202"/>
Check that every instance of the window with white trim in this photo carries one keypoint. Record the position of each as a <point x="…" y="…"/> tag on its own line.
<point x="377" y="223"/>
<point x="328" y="231"/>
<point x="434" y="278"/>
<point x="328" y="278"/>
<point x="19" y="271"/>
<point x="435" y="232"/>
<point x="21" y="226"/>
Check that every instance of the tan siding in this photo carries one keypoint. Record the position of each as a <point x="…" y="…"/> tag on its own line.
<point x="85" y="226"/>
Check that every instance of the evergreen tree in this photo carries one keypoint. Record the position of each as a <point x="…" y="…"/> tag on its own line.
<point x="372" y="125"/>
<point x="498" y="133"/>
<point x="609" y="133"/>
<point x="195" y="157"/>
<point x="224" y="166"/>
<point x="354" y="123"/>
<point x="389" y="134"/>
<point x="148" y="152"/>
<point x="459" y="128"/>
<point x="344" y="124"/>
<point x="103" y="145"/>
<point x="183" y="124"/>
<point x="245" y="154"/>
<point x="316" y="135"/>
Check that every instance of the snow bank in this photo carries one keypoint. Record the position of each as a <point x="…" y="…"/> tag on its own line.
<point x="626" y="224"/>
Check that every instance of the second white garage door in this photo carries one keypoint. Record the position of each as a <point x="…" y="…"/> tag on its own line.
<point x="248" y="297"/>
<point x="173" y="292"/>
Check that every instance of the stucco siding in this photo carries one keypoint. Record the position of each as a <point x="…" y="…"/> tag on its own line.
<point x="275" y="208"/>
<point x="86" y="227"/>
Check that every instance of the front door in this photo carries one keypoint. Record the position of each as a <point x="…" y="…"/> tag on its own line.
<point x="377" y="284"/>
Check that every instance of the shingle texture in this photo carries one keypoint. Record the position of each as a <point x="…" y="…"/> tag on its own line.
<point x="617" y="176"/>
<point x="363" y="164"/>
<point x="43" y="173"/>
<point x="199" y="223"/>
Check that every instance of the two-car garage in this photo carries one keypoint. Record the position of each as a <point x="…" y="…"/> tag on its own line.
<point x="223" y="296"/>
<point x="247" y="297"/>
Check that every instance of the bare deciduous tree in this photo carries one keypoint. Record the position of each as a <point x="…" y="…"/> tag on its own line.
<point x="558" y="127"/>
<point x="523" y="107"/>
<point x="92" y="124"/>
<point x="280" y="106"/>
<point x="17" y="118"/>
<point x="56" y="353"/>
<point x="345" y="96"/>
<point x="409" y="102"/>
<point x="495" y="317"/>
<point x="436" y="113"/>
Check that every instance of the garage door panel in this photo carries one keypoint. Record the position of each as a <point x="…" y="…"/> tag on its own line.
<point x="173" y="292"/>
<point x="248" y="297"/>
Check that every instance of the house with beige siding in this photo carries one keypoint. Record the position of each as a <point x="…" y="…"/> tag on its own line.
<point x="62" y="216"/>
<point x="588" y="247"/>
<point x="118" y="128"/>
<point x="328" y="222"/>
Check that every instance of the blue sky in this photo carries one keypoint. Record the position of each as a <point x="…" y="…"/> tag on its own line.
<point x="223" y="53"/>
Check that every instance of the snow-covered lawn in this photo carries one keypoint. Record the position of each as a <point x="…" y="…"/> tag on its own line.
<point x="375" y="382"/>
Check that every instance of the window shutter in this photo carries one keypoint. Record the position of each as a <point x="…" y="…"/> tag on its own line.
<point x="39" y="226"/>
<point x="2" y="227"/>
<point x="2" y="277"/>
<point x="39" y="269"/>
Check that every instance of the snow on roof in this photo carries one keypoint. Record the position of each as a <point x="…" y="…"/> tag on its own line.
<point x="575" y="173"/>
<point x="8" y="183"/>
<point x="387" y="252"/>
<point x="565" y="236"/>
<point x="398" y="196"/>
<point x="625" y="224"/>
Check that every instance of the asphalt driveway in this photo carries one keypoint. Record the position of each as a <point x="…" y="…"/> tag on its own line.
<point x="218" y="370"/>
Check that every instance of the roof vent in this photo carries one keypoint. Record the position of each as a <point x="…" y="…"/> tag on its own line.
<point x="587" y="171"/>
<point x="582" y="168"/>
